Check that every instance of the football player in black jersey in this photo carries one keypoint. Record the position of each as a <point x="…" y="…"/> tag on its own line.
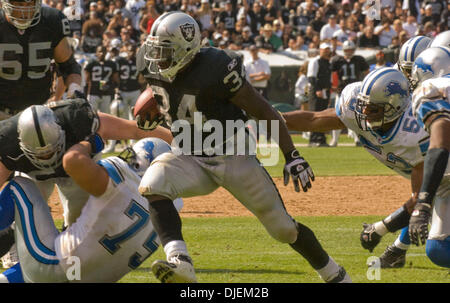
<point x="129" y="88"/>
<point x="208" y="83"/>
<point x="102" y="77"/>
<point x="31" y="36"/>
<point x="349" y="68"/>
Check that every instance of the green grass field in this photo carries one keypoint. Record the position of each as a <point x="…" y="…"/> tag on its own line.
<point x="239" y="250"/>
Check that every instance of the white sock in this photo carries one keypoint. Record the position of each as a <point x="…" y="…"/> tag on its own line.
<point x="174" y="248"/>
<point x="400" y="245"/>
<point x="335" y="135"/>
<point x="380" y="228"/>
<point x="329" y="271"/>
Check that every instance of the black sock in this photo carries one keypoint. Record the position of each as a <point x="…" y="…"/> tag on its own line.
<point x="166" y="221"/>
<point x="309" y="247"/>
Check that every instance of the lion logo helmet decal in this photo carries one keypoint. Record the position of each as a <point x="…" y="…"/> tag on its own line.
<point x="188" y="31"/>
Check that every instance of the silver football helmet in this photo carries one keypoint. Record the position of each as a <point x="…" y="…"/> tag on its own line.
<point x="22" y="16"/>
<point x="173" y="42"/>
<point x="383" y="98"/>
<point x="140" y="156"/>
<point x="409" y="51"/>
<point x="443" y="39"/>
<point x="349" y="48"/>
<point x="40" y="137"/>
<point x="432" y="62"/>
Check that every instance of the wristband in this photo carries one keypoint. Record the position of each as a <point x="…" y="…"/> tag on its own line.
<point x="293" y="154"/>
<point x="97" y="144"/>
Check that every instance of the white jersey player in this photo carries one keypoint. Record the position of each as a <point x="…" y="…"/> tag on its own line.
<point x="389" y="131"/>
<point x="431" y="106"/>
<point x="112" y="236"/>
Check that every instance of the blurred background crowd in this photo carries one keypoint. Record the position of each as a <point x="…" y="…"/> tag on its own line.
<point x="272" y="25"/>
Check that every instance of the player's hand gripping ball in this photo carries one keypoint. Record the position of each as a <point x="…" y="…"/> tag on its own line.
<point x="146" y="111"/>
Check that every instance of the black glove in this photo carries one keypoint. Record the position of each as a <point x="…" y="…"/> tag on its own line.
<point x="147" y="123"/>
<point x="298" y="169"/>
<point x="369" y="237"/>
<point x="77" y="95"/>
<point x="418" y="224"/>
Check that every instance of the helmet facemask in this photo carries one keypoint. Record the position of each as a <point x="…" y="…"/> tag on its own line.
<point x="41" y="138"/>
<point x="129" y="155"/>
<point x="22" y="16"/>
<point x="47" y="157"/>
<point x="166" y="58"/>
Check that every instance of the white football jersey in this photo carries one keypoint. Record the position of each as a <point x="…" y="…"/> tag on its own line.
<point x="400" y="149"/>
<point x="432" y="96"/>
<point x="113" y="234"/>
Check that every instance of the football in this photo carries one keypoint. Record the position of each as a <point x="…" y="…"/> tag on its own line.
<point x="146" y="104"/>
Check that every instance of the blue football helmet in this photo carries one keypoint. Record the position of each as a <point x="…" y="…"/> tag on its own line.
<point x="410" y="50"/>
<point x="140" y="156"/>
<point x="432" y="62"/>
<point x="383" y="98"/>
<point x="443" y="39"/>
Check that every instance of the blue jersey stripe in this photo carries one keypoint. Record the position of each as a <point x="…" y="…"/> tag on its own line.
<point x="26" y="216"/>
<point x="427" y="108"/>
<point x="113" y="172"/>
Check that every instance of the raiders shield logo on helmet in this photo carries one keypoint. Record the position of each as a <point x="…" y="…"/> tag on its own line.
<point x="188" y="31"/>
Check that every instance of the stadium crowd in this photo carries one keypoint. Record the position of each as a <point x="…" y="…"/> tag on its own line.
<point x="272" y="25"/>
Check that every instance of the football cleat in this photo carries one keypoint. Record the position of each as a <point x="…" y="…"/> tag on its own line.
<point x="393" y="257"/>
<point x="342" y="277"/>
<point x="178" y="269"/>
<point x="369" y="238"/>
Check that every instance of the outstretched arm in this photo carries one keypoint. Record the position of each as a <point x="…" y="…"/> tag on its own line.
<point x="322" y="121"/>
<point x="114" y="128"/>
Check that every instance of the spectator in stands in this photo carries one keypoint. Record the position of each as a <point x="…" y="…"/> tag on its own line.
<point x="309" y="34"/>
<point x="258" y="71"/>
<point x="257" y="14"/>
<point x="74" y="13"/>
<point x="205" y="15"/>
<point x="125" y="36"/>
<point x="327" y="31"/>
<point x="428" y="29"/>
<point x="277" y="30"/>
<point x="148" y="18"/>
<point x="228" y="16"/>
<point x="91" y="33"/>
<point x="268" y="42"/>
<point x="306" y="13"/>
<point x="368" y="39"/>
<point x="116" y="22"/>
<point x="385" y="32"/>
<point x="247" y="39"/>
<point x="410" y="26"/>
<point x="317" y="23"/>
<point x="330" y="9"/>
<point x="133" y="8"/>
<point x="301" y="43"/>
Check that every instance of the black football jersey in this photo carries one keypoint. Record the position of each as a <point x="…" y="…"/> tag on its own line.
<point x="101" y="76"/>
<point x="77" y="119"/>
<point x="25" y="75"/>
<point x="348" y="71"/>
<point x="128" y="74"/>
<point x="207" y="85"/>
